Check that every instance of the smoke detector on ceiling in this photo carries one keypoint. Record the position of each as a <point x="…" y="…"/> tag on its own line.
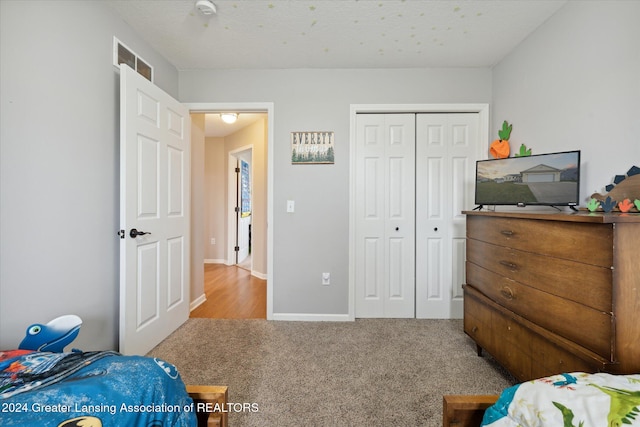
<point x="206" y="7"/>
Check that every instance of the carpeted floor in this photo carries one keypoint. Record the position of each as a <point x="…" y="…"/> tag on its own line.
<point x="371" y="372"/>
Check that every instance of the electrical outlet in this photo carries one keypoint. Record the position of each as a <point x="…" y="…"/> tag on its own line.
<point x="326" y="278"/>
<point x="213" y="240"/>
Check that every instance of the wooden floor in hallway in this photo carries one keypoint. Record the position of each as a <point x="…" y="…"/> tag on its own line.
<point x="232" y="293"/>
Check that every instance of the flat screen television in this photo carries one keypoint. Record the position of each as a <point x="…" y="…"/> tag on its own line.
<point x="544" y="179"/>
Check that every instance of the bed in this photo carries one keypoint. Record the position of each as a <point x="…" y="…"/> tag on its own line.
<point x="102" y="388"/>
<point x="569" y="399"/>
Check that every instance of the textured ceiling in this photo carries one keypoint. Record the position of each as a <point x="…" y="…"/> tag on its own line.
<point x="262" y="34"/>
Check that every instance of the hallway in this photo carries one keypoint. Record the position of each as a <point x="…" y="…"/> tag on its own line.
<point x="232" y="293"/>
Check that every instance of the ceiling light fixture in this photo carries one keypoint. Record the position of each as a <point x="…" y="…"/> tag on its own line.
<point x="206" y="7"/>
<point x="229" y="117"/>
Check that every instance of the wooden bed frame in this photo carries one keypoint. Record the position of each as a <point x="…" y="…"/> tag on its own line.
<point x="457" y="411"/>
<point x="205" y="398"/>
<point x="465" y="410"/>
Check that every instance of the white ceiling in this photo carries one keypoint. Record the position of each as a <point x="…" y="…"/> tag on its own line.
<point x="271" y="34"/>
<point x="335" y="33"/>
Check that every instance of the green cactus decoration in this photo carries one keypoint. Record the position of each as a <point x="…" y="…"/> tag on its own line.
<point x="524" y="152"/>
<point x="505" y="133"/>
<point x="593" y="205"/>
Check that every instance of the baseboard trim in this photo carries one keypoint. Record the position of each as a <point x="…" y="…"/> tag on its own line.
<point x="197" y="302"/>
<point x="307" y="317"/>
<point x="215" y="261"/>
<point x="259" y="275"/>
<point x="255" y="273"/>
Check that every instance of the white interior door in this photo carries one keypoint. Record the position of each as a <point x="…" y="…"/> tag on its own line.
<point x="385" y="215"/>
<point x="243" y="237"/>
<point x="446" y="151"/>
<point x="154" y="199"/>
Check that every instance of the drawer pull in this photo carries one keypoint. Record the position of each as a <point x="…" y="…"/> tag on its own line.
<point x="509" y="265"/>
<point x="474" y="329"/>
<point x="507" y="292"/>
<point x="507" y="233"/>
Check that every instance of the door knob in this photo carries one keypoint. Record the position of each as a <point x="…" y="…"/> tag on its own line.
<point x="435" y="229"/>
<point x="135" y="233"/>
<point x="397" y="228"/>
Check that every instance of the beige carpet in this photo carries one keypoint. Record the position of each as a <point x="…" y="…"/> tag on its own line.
<point x="371" y="372"/>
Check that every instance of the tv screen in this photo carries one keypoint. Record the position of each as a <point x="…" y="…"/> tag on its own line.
<point x="545" y="179"/>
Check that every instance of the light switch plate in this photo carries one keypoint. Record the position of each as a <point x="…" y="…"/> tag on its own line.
<point x="326" y="278"/>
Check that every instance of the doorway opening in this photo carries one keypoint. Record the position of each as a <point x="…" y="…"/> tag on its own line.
<point x="236" y="260"/>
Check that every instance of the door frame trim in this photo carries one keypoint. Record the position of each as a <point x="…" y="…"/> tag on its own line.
<point x="355" y="109"/>
<point x="263" y="107"/>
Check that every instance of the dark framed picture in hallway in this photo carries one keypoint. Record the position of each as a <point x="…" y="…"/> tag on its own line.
<point x="312" y="147"/>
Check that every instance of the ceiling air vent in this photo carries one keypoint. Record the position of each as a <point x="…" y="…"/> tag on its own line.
<point x="122" y="54"/>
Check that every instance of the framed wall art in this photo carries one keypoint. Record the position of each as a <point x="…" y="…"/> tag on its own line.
<point x="312" y="147"/>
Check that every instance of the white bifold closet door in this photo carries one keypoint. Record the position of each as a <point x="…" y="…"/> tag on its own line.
<point x="385" y="215"/>
<point x="414" y="177"/>
<point x="446" y="151"/>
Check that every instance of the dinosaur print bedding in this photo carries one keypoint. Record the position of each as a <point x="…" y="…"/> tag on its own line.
<point x="91" y="389"/>
<point x="571" y="400"/>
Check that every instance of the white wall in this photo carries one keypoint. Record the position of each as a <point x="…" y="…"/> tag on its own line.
<point x="575" y="84"/>
<point x="315" y="238"/>
<point x="59" y="186"/>
<point x="215" y="190"/>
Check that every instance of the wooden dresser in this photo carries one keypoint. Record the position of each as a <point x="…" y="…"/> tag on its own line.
<point x="549" y="293"/>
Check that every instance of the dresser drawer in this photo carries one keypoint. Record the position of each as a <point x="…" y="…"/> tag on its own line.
<point x="569" y="240"/>
<point x="585" y="326"/>
<point x="477" y="321"/>
<point x="513" y="345"/>
<point x="549" y="359"/>
<point x="584" y="283"/>
<point x="492" y="332"/>
<point x="525" y="349"/>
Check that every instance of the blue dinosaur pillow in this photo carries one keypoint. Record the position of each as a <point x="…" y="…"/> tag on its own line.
<point x="54" y="336"/>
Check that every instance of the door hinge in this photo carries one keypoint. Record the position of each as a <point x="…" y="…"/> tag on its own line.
<point x="237" y="209"/>
<point x="121" y="233"/>
<point x="237" y="170"/>
<point x="237" y="249"/>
